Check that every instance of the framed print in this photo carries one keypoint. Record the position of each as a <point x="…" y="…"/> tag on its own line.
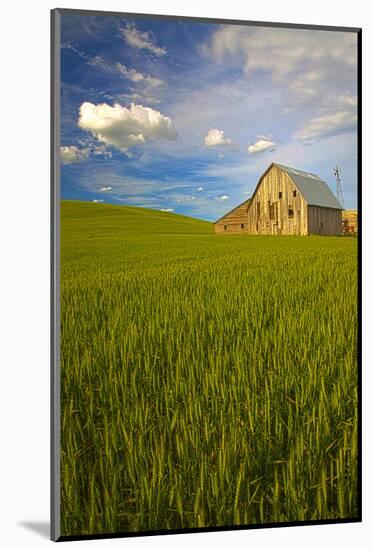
<point x="206" y="238"/>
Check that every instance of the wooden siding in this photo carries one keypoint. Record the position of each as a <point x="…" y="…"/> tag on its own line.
<point x="274" y="208"/>
<point x="324" y="221"/>
<point x="233" y="222"/>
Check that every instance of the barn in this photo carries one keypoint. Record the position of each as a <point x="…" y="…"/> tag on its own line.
<point x="286" y="201"/>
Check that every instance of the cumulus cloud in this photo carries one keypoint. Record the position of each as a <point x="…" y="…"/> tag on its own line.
<point x="216" y="137"/>
<point x="124" y="127"/>
<point x="327" y="125"/>
<point x="141" y="40"/>
<point x="104" y="189"/>
<point x="167" y="209"/>
<point x="137" y="77"/>
<point x="222" y="198"/>
<point x="71" y="154"/>
<point x="97" y="200"/>
<point x="261" y="144"/>
<point x="199" y="189"/>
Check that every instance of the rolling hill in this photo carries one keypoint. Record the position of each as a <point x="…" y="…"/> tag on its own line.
<point x="87" y="218"/>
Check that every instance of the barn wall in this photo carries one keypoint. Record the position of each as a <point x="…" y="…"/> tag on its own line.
<point x="234" y="222"/>
<point x="324" y="221"/>
<point x="268" y="213"/>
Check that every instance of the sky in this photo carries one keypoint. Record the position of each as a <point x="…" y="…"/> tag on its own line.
<point x="185" y="116"/>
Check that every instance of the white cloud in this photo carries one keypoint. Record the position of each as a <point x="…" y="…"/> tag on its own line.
<point x="289" y="49"/>
<point x="125" y="127"/>
<point x="310" y="69"/>
<point x="216" y="137"/>
<point x="71" y="154"/>
<point x="97" y="200"/>
<point x="141" y="40"/>
<point x="261" y="144"/>
<point x="167" y="209"/>
<point x="100" y="150"/>
<point x="327" y="125"/>
<point x="222" y="198"/>
<point x="130" y="73"/>
<point x="97" y="61"/>
<point x="137" y="77"/>
<point x="199" y="189"/>
<point x="104" y="189"/>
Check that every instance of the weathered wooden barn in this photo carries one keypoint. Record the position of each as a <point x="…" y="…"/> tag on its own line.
<point x="286" y="201"/>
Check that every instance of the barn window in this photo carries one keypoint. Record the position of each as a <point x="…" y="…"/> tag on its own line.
<point x="294" y="192"/>
<point x="291" y="212"/>
<point x="242" y="225"/>
<point x="225" y="227"/>
<point x="280" y="195"/>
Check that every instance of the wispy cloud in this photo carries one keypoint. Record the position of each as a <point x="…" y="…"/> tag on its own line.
<point x="105" y="189"/>
<point x="222" y="198"/>
<point x="137" y="77"/>
<point x="283" y="51"/>
<point x="141" y="40"/>
<point x="327" y="125"/>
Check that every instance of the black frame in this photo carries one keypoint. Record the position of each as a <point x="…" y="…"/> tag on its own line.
<point x="55" y="265"/>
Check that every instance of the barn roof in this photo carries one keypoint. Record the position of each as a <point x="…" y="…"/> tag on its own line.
<point x="314" y="190"/>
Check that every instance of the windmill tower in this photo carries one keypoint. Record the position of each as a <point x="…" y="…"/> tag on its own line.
<point x="340" y="198"/>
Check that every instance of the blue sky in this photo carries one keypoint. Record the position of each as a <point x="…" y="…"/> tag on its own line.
<point x="185" y="117"/>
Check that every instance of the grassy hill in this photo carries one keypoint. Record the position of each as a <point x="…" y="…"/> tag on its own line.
<point x="107" y="219"/>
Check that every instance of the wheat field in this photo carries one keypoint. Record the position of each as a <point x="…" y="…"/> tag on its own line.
<point x="205" y="380"/>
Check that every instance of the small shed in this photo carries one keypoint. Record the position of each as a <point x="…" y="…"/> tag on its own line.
<point x="350" y="222"/>
<point x="286" y="201"/>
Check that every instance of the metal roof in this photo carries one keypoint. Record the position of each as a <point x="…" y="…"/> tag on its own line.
<point x="314" y="190"/>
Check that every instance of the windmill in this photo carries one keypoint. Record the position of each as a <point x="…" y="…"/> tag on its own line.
<point x="339" y="191"/>
<point x="340" y="198"/>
